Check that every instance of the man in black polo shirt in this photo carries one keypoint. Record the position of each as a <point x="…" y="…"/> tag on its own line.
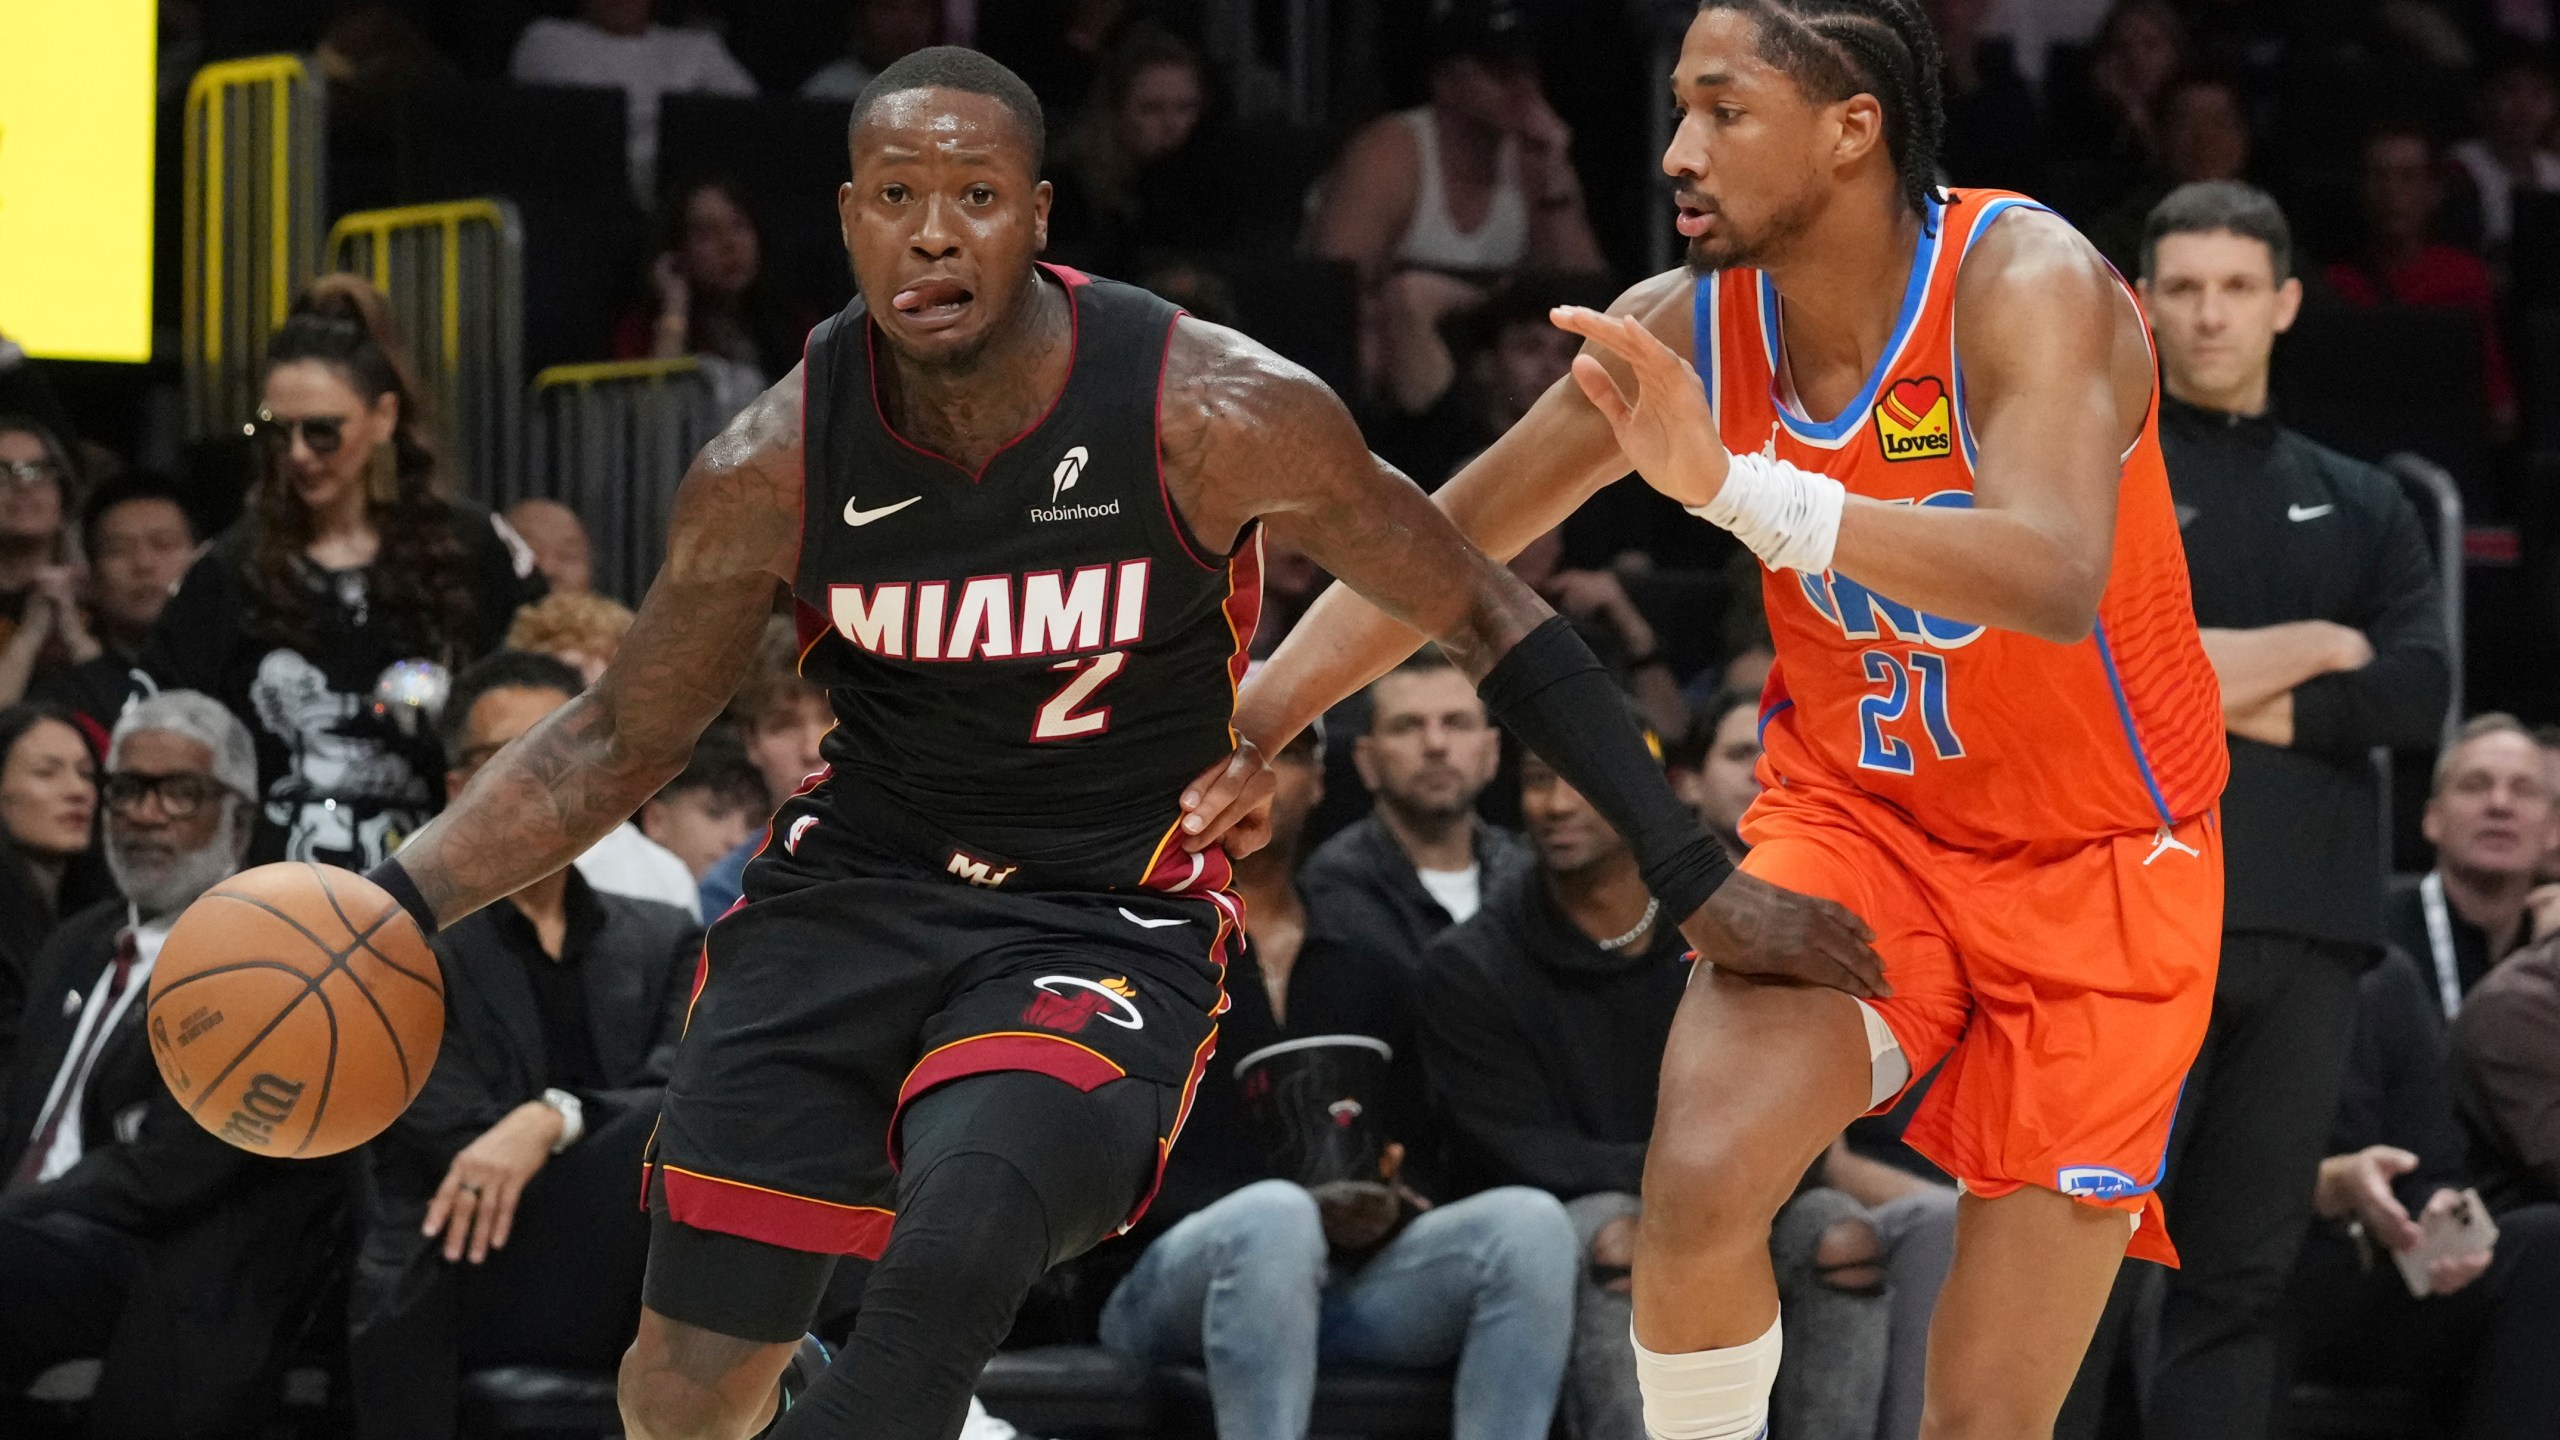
<point x="2319" y="611"/>
<point x="506" y="1227"/>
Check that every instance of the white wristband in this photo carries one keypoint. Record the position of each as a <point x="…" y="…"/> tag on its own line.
<point x="1788" y="517"/>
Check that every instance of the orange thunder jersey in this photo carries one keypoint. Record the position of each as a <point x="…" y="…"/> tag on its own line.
<point x="1982" y="736"/>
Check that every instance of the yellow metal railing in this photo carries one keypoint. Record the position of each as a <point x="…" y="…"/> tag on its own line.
<point x="454" y="273"/>
<point x="611" y="441"/>
<point x="251" y="240"/>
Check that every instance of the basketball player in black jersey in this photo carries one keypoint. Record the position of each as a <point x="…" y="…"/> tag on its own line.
<point x="954" y="1025"/>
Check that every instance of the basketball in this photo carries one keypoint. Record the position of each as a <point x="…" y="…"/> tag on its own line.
<point x="295" y="1010"/>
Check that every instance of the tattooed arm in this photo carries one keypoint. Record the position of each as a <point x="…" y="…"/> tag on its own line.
<point x="540" y="802"/>
<point x="1246" y="435"/>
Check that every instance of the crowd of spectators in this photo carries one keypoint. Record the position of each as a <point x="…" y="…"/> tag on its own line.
<point x="1442" y="932"/>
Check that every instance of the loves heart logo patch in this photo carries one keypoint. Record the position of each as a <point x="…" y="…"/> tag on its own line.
<point x="1914" y="420"/>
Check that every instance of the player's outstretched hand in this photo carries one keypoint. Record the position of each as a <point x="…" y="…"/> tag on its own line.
<point x="1230" y="803"/>
<point x="1752" y="928"/>
<point x="1666" y="429"/>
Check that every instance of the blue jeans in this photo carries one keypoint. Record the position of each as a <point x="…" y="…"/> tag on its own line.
<point x="1244" y="1286"/>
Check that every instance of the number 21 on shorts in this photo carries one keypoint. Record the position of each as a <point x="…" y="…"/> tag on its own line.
<point x="1917" y="677"/>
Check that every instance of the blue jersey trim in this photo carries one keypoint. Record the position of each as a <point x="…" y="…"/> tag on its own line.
<point x="1915" y="292"/>
<point x="2124" y="712"/>
<point x="1702" y="334"/>
<point x="1990" y="212"/>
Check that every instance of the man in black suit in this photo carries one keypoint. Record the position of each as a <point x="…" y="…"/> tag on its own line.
<point x="506" y="1225"/>
<point x="128" y="1233"/>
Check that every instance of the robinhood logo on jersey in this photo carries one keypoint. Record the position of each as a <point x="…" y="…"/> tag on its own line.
<point x="1913" y="421"/>
<point x="1063" y="479"/>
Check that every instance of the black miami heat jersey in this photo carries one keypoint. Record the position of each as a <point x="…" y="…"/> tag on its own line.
<point x="1033" y="659"/>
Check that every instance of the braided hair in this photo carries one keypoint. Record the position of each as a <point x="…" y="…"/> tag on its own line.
<point x="1834" y="49"/>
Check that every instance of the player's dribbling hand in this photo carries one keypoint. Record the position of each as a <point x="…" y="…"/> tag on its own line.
<point x="475" y="1207"/>
<point x="1230" y="803"/>
<point x="1666" y="430"/>
<point x="1754" y="929"/>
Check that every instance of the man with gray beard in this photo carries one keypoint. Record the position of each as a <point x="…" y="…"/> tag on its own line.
<point x="123" y="1225"/>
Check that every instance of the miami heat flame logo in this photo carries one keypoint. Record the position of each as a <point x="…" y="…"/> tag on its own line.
<point x="1913" y="421"/>
<point x="1068" y="1003"/>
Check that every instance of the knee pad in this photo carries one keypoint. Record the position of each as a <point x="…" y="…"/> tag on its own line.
<point x="1086" y="1156"/>
<point x="1709" y="1394"/>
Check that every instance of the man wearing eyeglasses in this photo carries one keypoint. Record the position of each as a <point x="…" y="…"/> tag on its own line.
<point x="118" y="1214"/>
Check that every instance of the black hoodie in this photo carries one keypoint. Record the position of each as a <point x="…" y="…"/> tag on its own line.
<point x="1544" y="1051"/>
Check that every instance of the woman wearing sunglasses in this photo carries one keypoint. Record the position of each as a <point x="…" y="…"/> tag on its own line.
<point x="330" y="616"/>
<point x="41" y="625"/>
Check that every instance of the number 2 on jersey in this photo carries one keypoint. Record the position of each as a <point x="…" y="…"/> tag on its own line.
<point x="1923" y="672"/>
<point x="1061" y="718"/>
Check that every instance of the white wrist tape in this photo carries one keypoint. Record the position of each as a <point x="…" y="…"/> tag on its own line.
<point x="1790" y="518"/>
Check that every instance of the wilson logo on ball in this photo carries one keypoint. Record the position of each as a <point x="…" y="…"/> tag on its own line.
<point x="266" y="1104"/>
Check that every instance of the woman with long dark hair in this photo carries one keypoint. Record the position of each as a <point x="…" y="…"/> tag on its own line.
<point x="333" y="614"/>
<point x="708" y="295"/>
<point x="41" y="624"/>
<point x="48" y="863"/>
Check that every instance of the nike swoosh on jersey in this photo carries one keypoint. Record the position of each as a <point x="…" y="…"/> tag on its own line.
<point x="1144" y="923"/>
<point x="2292" y="512"/>
<point x="853" y="516"/>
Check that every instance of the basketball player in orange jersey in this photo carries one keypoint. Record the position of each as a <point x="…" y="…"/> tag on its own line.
<point x="1991" y="732"/>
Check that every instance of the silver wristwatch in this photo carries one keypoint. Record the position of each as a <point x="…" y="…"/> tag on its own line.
<point x="573" y="1118"/>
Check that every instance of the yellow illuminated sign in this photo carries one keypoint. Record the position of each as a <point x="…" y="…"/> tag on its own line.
<point x="76" y="111"/>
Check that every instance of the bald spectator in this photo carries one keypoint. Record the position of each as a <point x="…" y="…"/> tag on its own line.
<point x="2492" y="821"/>
<point x="619" y="44"/>
<point x="558" y="539"/>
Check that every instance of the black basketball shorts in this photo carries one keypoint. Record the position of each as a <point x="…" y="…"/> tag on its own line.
<point x="856" y="976"/>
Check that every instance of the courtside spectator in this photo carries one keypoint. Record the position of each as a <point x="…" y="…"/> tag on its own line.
<point x="1131" y="180"/>
<point x="1477" y="183"/>
<point x="48" y="812"/>
<point x="711" y="808"/>
<point x="1606" y="615"/>
<point x="2506" y="1082"/>
<point x="580" y="629"/>
<point x="1544" y="1021"/>
<point x="128" y="1232"/>
<point x="2518" y="105"/>
<point x="1995" y="131"/>
<point x="504" y="1228"/>
<point x="1457" y="376"/>
<point x="2321" y="616"/>
<point x="877" y="32"/>
<point x="140" y="543"/>
<point x="2203" y="135"/>
<point x="2480" y="1341"/>
<point x="1264" y="1280"/>
<point x="618" y="44"/>
<point x="1423" y="859"/>
<point x="558" y="540"/>
<point x="2110" y="129"/>
<point x="330" y="617"/>
<point x="41" y="625"/>
<point x="2492" y="819"/>
<point x="708" y="298"/>
<point x="1716" y="766"/>
<point x="2401" y="187"/>
<point x="780" y="718"/>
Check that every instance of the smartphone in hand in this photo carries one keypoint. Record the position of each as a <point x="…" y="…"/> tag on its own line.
<point x="2465" y="1229"/>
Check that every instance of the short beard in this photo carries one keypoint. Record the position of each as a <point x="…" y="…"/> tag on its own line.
<point x="159" y="890"/>
<point x="1755" y="252"/>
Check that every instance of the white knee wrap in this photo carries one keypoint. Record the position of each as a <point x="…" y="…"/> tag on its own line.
<point x="1709" y="1394"/>
<point x="1888" y="1069"/>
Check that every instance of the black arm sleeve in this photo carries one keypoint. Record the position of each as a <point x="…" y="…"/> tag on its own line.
<point x="2399" y="700"/>
<point x="1551" y="691"/>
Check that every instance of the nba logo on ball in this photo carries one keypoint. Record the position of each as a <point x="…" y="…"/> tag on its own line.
<point x="1911" y="421"/>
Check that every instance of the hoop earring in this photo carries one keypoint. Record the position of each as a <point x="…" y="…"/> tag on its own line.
<point x="382" y="475"/>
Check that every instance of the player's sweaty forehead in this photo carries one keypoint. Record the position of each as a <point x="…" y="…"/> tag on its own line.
<point x="937" y="126"/>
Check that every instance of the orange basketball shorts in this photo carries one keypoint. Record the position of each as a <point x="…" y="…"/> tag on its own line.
<point x="2066" y="984"/>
